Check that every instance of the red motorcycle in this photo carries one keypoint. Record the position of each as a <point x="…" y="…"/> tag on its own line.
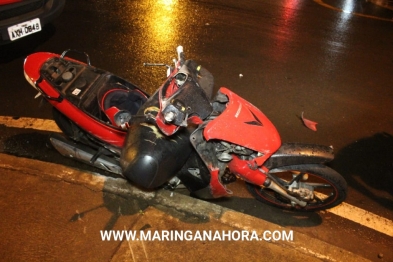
<point x="180" y="134"/>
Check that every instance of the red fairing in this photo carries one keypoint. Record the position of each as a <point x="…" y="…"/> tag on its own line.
<point x="5" y="2"/>
<point x="33" y="64"/>
<point x="167" y="129"/>
<point x="243" y="124"/>
<point x="216" y="187"/>
<point x="243" y="170"/>
<point x="107" y="134"/>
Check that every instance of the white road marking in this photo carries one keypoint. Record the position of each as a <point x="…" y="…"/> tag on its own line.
<point x="364" y="217"/>
<point x="347" y="211"/>
<point x="30" y="123"/>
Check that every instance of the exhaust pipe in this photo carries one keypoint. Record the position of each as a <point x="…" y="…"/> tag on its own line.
<point x="85" y="154"/>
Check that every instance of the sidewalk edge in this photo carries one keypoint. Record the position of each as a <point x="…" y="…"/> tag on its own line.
<point x="179" y="202"/>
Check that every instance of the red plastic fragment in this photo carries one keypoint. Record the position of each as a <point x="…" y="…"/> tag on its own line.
<point x="308" y="123"/>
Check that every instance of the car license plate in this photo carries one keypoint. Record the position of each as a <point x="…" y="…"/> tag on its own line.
<point x="24" y="29"/>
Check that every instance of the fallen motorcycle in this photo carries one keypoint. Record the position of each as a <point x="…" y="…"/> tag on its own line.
<point x="180" y="134"/>
<point x="83" y="99"/>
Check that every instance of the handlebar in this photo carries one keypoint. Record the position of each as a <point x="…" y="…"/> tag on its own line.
<point x="183" y="97"/>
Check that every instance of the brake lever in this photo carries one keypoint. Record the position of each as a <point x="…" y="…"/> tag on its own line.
<point x="155" y="64"/>
<point x="169" y="68"/>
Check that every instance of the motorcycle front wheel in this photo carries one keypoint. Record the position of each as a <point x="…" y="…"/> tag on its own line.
<point x="320" y="186"/>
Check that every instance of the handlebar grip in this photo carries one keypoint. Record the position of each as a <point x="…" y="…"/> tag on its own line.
<point x="180" y="54"/>
<point x="179" y="50"/>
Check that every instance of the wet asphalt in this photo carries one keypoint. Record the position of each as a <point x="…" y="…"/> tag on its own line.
<point x="330" y="59"/>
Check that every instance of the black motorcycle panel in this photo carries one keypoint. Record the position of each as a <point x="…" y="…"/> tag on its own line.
<point x="297" y="153"/>
<point x="149" y="158"/>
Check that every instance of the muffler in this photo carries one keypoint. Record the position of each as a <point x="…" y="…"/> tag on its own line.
<point x="85" y="154"/>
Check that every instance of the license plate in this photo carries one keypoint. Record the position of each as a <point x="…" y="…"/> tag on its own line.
<point x="24" y="29"/>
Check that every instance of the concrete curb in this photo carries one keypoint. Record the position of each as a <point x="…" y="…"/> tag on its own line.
<point x="181" y="203"/>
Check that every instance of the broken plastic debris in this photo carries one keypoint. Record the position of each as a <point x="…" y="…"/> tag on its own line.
<point x="308" y="123"/>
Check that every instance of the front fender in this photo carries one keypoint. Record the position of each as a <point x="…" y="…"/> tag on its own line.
<point x="297" y="153"/>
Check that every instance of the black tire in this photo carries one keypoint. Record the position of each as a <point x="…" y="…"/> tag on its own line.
<point x="334" y="190"/>
<point x="65" y="124"/>
<point x="71" y="130"/>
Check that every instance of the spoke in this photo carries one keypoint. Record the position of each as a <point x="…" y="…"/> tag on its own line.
<point x="319" y="185"/>
<point x="279" y="180"/>
<point x="325" y="197"/>
<point x="296" y="178"/>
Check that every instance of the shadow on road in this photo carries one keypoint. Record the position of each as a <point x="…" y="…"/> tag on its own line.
<point x="35" y="145"/>
<point x="367" y="165"/>
<point x="275" y="215"/>
<point x="117" y="205"/>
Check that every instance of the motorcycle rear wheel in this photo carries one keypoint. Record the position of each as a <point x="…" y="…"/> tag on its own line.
<point x="65" y="124"/>
<point x="330" y="188"/>
<point x="72" y="131"/>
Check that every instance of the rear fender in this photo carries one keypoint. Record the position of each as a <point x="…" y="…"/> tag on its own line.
<point x="296" y="154"/>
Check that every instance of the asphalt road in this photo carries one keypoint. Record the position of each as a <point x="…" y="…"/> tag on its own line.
<point x="330" y="59"/>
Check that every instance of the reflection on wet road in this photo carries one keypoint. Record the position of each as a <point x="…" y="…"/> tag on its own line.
<point x="374" y="9"/>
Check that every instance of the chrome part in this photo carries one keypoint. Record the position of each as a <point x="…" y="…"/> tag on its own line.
<point x="300" y="189"/>
<point x="195" y="172"/>
<point x="37" y="95"/>
<point x="175" y="113"/>
<point x="181" y="78"/>
<point x="85" y="154"/>
<point x="275" y="187"/>
<point x="122" y="118"/>
<point x="155" y="64"/>
<point x="169" y="116"/>
<point x="173" y="183"/>
<point x="224" y="157"/>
